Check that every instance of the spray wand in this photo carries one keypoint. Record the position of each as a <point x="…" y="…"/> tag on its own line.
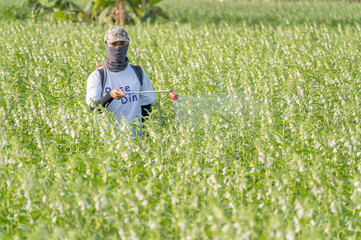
<point x="172" y="94"/>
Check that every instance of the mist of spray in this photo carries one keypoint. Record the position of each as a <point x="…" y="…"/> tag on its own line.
<point x="197" y="109"/>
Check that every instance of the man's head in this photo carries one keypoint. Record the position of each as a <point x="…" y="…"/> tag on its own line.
<point x="116" y="37"/>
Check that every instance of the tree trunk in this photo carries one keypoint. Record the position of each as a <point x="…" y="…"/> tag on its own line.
<point x="119" y="13"/>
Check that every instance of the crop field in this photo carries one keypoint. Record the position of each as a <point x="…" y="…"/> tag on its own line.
<point x="264" y="142"/>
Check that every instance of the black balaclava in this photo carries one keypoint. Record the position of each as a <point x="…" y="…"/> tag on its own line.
<point x="117" y="58"/>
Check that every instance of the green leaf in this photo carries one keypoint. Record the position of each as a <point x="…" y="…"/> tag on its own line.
<point x="102" y="18"/>
<point x="48" y="3"/>
<point x="88" y="7"/>
<point x="149" y="16"/>
<point x="158" y="11"/>
<point x="154" y="1"/>
<point x="60" y="15"/>
<point x="135" y="2"/>
<point x="104" y="3"/>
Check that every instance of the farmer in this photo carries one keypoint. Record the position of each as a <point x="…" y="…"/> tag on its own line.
<point x="108" y="86"/>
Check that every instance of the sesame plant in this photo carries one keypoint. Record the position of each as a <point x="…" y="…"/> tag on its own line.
<point x="264" y="142"/>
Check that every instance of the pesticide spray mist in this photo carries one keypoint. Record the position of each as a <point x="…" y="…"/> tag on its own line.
<point x="214" y="109"/>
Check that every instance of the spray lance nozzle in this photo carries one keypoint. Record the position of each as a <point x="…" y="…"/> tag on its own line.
<point x="173" y="95"/>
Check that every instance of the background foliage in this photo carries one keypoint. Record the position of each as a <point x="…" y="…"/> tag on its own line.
<point x="263" y="144"/>
<point x="93" y="11"/>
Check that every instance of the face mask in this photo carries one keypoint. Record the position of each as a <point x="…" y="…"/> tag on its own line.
<point x="117" y="58"/>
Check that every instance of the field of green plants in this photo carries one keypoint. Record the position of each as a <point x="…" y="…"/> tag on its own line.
<point x="264" y="142"/>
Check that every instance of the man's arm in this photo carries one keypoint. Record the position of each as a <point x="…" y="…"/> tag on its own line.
<point x="94" y="91"/>
<point x="108" y="98"/>
<point x="104" y="101"/>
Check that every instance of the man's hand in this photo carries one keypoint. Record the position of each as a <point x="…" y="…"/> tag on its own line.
<point x="117" y="93"/>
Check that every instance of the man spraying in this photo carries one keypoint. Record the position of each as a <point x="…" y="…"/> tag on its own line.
<point x="108" y="86"/>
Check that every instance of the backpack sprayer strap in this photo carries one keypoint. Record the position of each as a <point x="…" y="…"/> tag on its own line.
<point x="103" y="77"/>
<point x="138" y="70"/>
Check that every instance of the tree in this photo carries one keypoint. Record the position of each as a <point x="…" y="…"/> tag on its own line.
<point x="119" y="12"/>
<point x="124" y="11"/>
<point x="62" y="9"/>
